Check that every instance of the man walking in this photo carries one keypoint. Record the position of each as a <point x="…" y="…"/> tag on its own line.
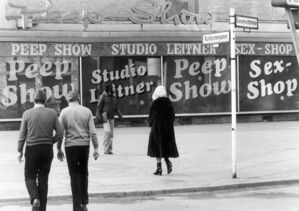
<point x="78" y="126"/>
<point x="107" y="108"/>
<point x="36" y="130"/>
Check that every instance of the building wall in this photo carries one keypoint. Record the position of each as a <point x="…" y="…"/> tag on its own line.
<point x="116" y="28"/>
<point x="121" y="8"/>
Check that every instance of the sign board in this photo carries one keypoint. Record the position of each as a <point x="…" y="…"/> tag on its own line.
<point x="263" y="90"/>
<point x="294" y="3"/>
<point x="246" y="22"/>
<point x="206" y="91"/>
<point x="215" y="38"/>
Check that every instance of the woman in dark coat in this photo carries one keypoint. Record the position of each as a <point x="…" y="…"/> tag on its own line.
<point x="162" y="139"/>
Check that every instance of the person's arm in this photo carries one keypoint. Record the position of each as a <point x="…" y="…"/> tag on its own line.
<point x="58" y="131"/>
<point x="150" y="117"/>
<point x="101" y="103"/>
<point x="118" y="111"/>
<point x="172" y="114"/>
<point x="93" y="136"/>
<point x="60" y="154"/>
<point x="22" y="136"/>
<point x="99" y="109"/>
<point x="62" y="126"/>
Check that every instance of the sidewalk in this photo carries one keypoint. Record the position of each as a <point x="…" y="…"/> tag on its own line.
<point x="267" y="153"/>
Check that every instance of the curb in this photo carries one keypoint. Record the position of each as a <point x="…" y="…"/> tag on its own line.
<point x="167" y="191"/>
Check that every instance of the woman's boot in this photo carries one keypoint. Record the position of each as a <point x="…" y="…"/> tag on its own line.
<point x="159" y="169"/>
<point x="169" y="165"/>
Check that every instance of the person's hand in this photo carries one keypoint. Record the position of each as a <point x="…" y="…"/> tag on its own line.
<point x="60" y="155"/>
<point x="20" y="156"/>
<point x="96" y="154"/>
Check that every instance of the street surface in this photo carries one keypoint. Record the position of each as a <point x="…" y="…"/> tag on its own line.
<point x="267" y="152"/>
<point x="275" y="198"/>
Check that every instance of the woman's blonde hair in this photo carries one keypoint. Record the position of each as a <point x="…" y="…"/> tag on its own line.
<point x="160" y="91"/>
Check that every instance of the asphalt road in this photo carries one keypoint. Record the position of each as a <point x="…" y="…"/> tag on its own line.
<point x="272" y="198"/>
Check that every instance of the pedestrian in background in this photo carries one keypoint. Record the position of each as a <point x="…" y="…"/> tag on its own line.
<point x="162" y="142"/>
<point x="106" y="109"/>
<point x="37" y="127"/>
<point x="78" y="127"/>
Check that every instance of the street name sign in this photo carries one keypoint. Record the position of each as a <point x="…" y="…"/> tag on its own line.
<point x="247" y="22"/>
<point x="215" y="38"/>
<point x="294" y="3"/>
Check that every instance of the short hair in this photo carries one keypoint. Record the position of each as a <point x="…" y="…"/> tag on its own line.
<point x="109" y="89"/>
<point x="73" y="96"/>
<point x="40" y="96"/>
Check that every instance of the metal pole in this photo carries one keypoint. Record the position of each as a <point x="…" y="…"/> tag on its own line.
<point x="196" y="6"/>
<point x="162" y="71"/>
<point x="81" y="81"/>
<point x="293" y="32"/>
<point x="233" y="89"/>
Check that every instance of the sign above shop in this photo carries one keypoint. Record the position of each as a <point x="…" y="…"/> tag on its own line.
<point x="108" y="49"/>
<point x="144" y="12"/>
<point x="294" y="3"/>
<point x="285" y="3"/>
<point x="246" y="22"/>
<point x="148" y="11"/>
<point x="215" y="38"/>
<point x="9" y="49"/>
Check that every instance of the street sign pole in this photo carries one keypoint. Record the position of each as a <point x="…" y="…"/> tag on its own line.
<point x="293" y="32"/>
<point x="233" y="89"/>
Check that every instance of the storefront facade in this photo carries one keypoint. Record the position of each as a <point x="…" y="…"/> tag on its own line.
<point x="138" y="54"/>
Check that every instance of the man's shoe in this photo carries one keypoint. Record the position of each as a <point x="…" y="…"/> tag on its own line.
<point x="35" y="205"/>
<point x="108" y="153"/>
<point x="84" y="207"/>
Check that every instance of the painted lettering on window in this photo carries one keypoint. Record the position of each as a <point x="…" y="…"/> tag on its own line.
<point x="201" y="79"/>
<point x="21" y="75"/>
<point x="261" y="85"/>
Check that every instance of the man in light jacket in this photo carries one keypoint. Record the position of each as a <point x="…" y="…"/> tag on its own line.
<point x="78" y="126"/>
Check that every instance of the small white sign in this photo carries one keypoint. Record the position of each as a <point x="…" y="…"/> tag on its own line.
<point x="246" y="22"/>
<point x="215" y="38"/>
<point x="294" y="3"/>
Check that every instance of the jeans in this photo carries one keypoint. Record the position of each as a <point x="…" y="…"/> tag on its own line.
<point x="108" y="135"/>
<point x="77" y="161"/>
<point x="38" y="161"/>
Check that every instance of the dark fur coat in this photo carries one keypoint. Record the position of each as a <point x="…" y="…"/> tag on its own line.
<point x="162" y="139"/>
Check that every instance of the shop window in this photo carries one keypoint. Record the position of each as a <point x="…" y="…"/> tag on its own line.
<point x="135" y="79"/>
<point x="198" y="84"/>
<point x="20" y="76"/>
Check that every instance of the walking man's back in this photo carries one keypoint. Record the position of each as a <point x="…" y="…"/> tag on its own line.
<point x="77" y="120"/>
<point x="78" y="126"/>
<point x="36" y="132"/>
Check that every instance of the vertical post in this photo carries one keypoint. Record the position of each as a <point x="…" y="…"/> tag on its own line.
<point x="291" y="23"/>
<point x="233" y="89"/>
<point x="24" y="21"/>
<point x="196" y="6"/>
<point x="162" y="71"/>
<point x="81" y="82"/>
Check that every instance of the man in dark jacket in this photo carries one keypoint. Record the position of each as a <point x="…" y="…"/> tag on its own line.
<point x="36" y="130"/>
<point x="107" y="108"/>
